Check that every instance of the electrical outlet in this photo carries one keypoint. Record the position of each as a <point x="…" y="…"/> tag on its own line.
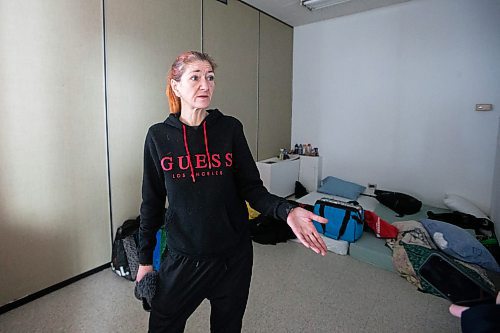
<point x="484" y="107"/>
<point x="370" y="190"/>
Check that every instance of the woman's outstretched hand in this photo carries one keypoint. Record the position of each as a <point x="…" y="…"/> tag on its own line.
<point x="300" y="220"/>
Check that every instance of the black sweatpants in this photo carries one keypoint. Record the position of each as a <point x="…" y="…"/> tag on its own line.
<point x="184" y="282"/>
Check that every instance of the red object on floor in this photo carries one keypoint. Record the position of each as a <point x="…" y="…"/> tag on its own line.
<point x="382" y="228"/>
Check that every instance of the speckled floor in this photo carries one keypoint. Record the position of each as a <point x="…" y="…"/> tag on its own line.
<point x="293" y="290"/>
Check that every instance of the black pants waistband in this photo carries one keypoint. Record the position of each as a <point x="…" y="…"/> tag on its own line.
<point x="241" y="246"/>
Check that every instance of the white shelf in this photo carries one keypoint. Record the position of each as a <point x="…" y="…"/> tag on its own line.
<point x="279" y="176"/>
<point x="310" y="172"/>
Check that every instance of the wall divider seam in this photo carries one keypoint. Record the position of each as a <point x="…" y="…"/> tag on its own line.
<point x="107" y="121"/>
<point x="258" y="91"/>
<point x="202" y="16"/>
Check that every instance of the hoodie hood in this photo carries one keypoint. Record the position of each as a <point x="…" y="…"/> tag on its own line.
<point x="174" y="121"/>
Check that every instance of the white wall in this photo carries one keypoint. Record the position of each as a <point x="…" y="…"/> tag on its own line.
<point x="388" y="96"/>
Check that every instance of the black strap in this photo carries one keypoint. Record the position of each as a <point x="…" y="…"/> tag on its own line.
<point x="343" y="227"/>
<point x="358" y="219"/>
<point x="322" y="214"/>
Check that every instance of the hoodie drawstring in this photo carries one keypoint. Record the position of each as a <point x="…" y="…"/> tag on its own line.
<point x="206" y="144"/>
<point x="188" y="154"/>
<point x="187" y="149"/>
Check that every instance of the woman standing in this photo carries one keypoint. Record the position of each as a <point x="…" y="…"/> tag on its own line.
<point x="199" y="159"/>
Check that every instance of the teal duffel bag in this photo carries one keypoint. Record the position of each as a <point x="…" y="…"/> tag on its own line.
<point x="345" y="219"/>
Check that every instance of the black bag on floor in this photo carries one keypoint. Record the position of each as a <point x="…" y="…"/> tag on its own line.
<point x="267" y="230"/>
<point x="481" y="226"/>
<point x="124" y="255"/>
<point x="401" y="203"/>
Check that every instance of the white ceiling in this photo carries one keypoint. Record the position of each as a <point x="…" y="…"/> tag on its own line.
<point x="292" y="13"/>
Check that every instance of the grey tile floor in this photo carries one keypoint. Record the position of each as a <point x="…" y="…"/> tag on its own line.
<point x="293" y="290"/>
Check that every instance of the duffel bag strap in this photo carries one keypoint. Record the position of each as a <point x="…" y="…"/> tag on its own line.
<point x="322" y="214"/>
<point x="343" y="227"/>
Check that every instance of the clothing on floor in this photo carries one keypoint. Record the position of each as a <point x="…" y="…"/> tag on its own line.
<point x="380" y="227"/>
<point x="412" y="248"/>
<point x="466" y="221"/>
<point x="267" y="230"/>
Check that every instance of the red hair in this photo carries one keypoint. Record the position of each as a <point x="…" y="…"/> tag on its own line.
<point x="176" y="71"/>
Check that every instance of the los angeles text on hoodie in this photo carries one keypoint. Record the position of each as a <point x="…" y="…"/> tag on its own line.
<point x="207" y="173"/>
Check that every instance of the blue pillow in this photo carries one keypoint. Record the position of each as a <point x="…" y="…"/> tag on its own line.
<point x="460" y="244"/>
<point x="342" y="188"/>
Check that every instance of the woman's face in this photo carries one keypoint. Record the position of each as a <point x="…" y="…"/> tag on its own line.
<point x="196" y="85"/>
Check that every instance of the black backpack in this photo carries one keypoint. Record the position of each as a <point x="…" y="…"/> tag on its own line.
<point x="124" y="254"/>
<point x="401" y="203"/>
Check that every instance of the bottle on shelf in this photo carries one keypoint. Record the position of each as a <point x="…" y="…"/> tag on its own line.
<point x="281" y="156"/>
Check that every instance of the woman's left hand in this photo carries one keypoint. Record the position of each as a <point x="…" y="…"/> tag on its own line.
<point x="300" y="220"/>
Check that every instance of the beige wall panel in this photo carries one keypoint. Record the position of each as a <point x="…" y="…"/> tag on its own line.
<point x="54" y="210"/>
<point x="142" y="40"/>
<point x="231" y="37"/>
<point x="275" y="87"/>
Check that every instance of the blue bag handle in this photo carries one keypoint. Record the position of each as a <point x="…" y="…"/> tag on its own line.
<point x="343" y="227"/>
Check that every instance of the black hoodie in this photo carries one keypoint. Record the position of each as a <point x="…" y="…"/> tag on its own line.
<point x="207" y="173"/>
